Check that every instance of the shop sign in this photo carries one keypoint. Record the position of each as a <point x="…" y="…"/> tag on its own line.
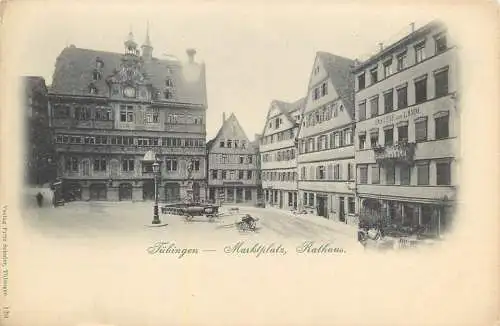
<point x="397" y="116"/>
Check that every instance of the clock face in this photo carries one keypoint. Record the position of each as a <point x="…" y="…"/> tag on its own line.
<point x="129" y="91"/>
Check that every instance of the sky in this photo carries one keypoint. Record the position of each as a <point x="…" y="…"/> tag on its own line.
<point x="254" y="52"/>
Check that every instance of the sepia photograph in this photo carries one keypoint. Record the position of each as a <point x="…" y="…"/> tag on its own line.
<point x="210" y="163"/>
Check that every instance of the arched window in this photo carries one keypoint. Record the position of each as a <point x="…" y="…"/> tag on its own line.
<point x="169" y="82"/>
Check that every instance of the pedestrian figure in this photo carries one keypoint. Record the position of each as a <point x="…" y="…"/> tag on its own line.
<point x="39" y="199"/>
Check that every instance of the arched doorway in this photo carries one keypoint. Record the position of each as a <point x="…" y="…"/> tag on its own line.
<point x="172" y="192"/>
<point x="148" y="190"/>
<point x="196" y="192"/>
<point x="98" y="191"/>
<point x="125" y="191"/>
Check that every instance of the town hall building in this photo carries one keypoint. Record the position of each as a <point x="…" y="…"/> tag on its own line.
<point x="107" y="110"/>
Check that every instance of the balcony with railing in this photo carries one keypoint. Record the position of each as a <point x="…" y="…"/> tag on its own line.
<point x="399" y="152"/>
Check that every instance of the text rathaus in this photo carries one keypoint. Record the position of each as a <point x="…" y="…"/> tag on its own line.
<point x="107" y="110"/>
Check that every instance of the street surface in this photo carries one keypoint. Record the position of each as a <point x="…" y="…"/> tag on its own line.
<point x="95" y="263"/>
<point x="133" y="221"/>
<point x="93" y="260"/>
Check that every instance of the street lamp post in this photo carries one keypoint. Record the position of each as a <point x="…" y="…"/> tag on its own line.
<point x="156" y="170"/>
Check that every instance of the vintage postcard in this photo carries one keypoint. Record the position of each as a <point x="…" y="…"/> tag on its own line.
<point x="249" y="163"/>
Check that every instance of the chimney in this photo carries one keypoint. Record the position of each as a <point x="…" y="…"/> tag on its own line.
<point x="381" y="45"/>
<point x="412" y="27"/>
<point x="223" y="117"/>
<point x="191" y="53"/>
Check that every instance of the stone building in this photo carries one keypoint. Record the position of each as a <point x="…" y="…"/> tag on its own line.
<point x="326" y="152"/>
<point x="407" y="130"/>
<point x="232" y="165"/>
<point x="39" y="150"/>
<point x="279" y="154"/>
<point x="108" y="109"/>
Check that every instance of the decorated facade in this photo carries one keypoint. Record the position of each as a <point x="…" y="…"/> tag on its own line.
<point x="407" y="131"/>
<point x="107" y="110"/>
<point x="233" y="175"/>
<point x="278" y="151"/>
<point x="325" y="142"/>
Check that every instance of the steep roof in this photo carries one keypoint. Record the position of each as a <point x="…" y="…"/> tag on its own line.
<point x="230" y="127"/>
<point x="339" y="71"/>
<point x="75" y="66"/>
<point x="288" y="108"/>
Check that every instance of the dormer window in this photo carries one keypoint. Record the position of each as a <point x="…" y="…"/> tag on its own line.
<point x="169" y="83"/>
<point x="96" y="75"/>
<point x="99" y="64"/>
<point x="92" y="89"/>
<point x="167" y="94"/>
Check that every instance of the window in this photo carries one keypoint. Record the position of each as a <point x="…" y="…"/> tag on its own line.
<point x="420" y="52"/>
<point x="442" y="127"/>
<point x="388" y="101"/>
<point x="374" y="106"/>
<point x="89" y="140"/>
<point x="100" y="164"/>
<point x="401" y="61"/>
<point x="421" y="130"/>
<point x="224" y="174"/>
<point x="351" y="205"/>
<point x="316" y="93"/>
<point x="61" y="111"/>
<point x="405" y="175"/>
<point x="441" y="44"/>
<point x="324" y="89"/>
<point x="347" y="137"/>
<point x="128" y="165"/>
<point x="72" y="164"/>
<point x="92" y="89"/>
<point x="169" y="83"/>
<point x="103" y="114"/>
<point x="389" y="137"/>
<point x="242" y="160"/>
<point x="168" y="94"/>
<point x="321" y="172"/>
<point x="214" y="174"/>
<point x="171" y="164"/>
<point x="82" y="113"/>
<point x="375" y="174"/>
<point x="336" y="140"/>
<point x="374" y="139"/>
<point x="403" y="133"/>
<point x="363" y="174"/>
<point x="362" y="111"/>
<point x="421" y="90"/>
<point x="319" y="145"/>
<point x="241" y="174"/>
<point x="362" y="141"/>
<point x="390" y="174"/>
<point x="443" y="174"/>
<point x="196" y="165"/>
<point x="96" y="75"/>
<point x="126" y="113"/>
<point x="232" y="174"/>
<point x="387" y="68"/>
<point x="249" y="174"/>
<point x="361" y="81"/>
<point x="229" y="143"/>
<point x="350" y="171"/>
<point x="374" y="75"/>
<point x="99" y="64"/>
<point x="311" y="199"/>
<point x="222" y="143"/>
<point x="441" y="83"/>
<point x="423" y="173"/>
<point x="402" y="94"/>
